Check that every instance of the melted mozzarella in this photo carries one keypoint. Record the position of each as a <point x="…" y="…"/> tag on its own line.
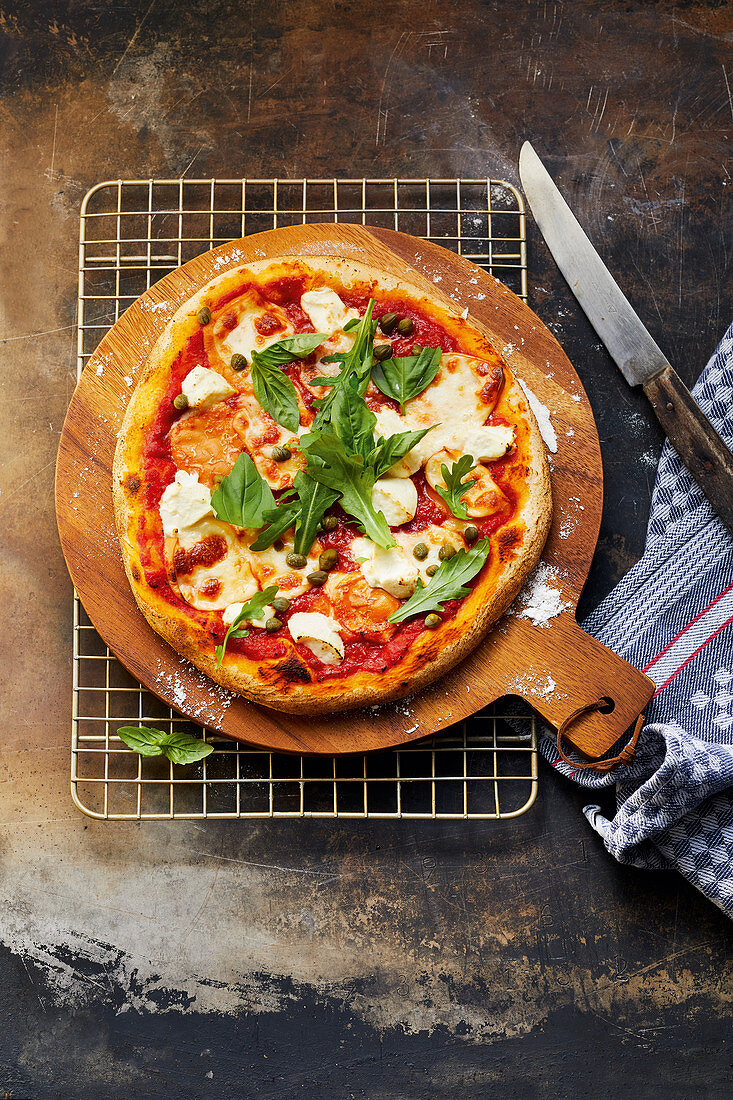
<point x="234" y="573"/>
<point x="184" y="502"/>
<point x="482" y="498"/>
<point x="326" y="311"/>
<point x="395" y="498"/>
<point x="391" y="569"/>
<point x="453" y="407"/>
<point x="270" y="567"/>
<point x="230" y="613"/>
<point x="390" y="423"/>
<point x="435" y="538"/>
<point x="245" y="338"/>
<point x="319" y="633"/>
<point x="204" y="387"/>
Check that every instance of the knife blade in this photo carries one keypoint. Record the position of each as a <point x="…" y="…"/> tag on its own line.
<point x="637" y="355"/>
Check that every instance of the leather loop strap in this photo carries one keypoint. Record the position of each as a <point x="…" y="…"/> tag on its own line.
<point x="626" y="755"/>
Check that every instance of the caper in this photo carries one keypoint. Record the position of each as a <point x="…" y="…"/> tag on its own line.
<point x="470" y="534"/>
<point x="420" y="551"/>
<point x="281" y="603"/>
<point x="405" y="326"/>
<point x="416" y="349"/>
<point x="382" y="352"/>
<point x="237" y="361"/>
<point x="180" y="402"/>
<point x="204" y="315"/>
<point x="318" y="577"/>
<point x="329" y="559"/>
<point x="281" y="454"/>
<point x="272" y="625"/>
<point x="278" y="545"/>
<point x="296" y="561"/>
<point x="446" y="551"/>
<point x="388" y="323"/>
<point x="329" y="523"/>
<point x="431" y="570"/>
<point x="432" y="620"/>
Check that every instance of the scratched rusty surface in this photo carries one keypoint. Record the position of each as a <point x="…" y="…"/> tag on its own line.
<point x="371" y="959"/>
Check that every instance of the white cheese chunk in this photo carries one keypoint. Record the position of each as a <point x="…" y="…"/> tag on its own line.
<point x="396" y="498"/>
<point x="319" y="633"/>
<point x="488" y="444"/>
<point x="391" y="569"/>
<point x="184" y="502"/>
<point x="326" y="310"/>
<point x="204" y="387"/>
<point x="230" y="613"/>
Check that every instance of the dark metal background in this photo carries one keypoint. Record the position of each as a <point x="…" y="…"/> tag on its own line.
<point x="375" y="959"/>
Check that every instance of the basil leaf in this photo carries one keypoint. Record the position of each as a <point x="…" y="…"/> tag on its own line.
<point x="276" y="394"/>
<point x="455" y="485"/>
<point x="353" y="421"/>
<point x="289" y="348"/>
<point x="180" y="748"/>
<point x="243" y="496"/>
<point x="252" y="609"/>
<point x="407" y="376"/>
<point x="388" y="450"/>
<point x="314" y="499"/>
<point x="355" y="369"/>
<point x="330" y="465"/>
<point x="273" y="389"/>
<point x="447" y="584"/>
<point x="278" y="520"/>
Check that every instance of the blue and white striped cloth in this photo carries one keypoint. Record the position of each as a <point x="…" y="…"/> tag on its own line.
<point x="672" y="616"/>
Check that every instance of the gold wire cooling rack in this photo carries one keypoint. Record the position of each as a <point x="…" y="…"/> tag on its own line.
<point x="133" y="232"/>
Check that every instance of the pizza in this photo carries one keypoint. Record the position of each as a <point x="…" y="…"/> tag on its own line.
<point x="328" y="485"/>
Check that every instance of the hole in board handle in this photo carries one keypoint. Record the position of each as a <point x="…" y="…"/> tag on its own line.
<point x="607" y="705"/>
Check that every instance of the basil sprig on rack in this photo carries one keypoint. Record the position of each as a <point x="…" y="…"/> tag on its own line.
<point x="180" y="748"/>
<point x="406" y="376"/>
<point x="243" y="496"/>
<point x="455" y="486"/>
<point x="252" y="609"/>
<point x="449" y="582"/>
<point x="273" y="389"/>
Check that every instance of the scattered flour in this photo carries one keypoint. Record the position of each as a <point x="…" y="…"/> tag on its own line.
<point x="542" y="413"/>
<point x="541" y="598"/>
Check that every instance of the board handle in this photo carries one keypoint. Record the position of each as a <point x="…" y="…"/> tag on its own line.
<point x="579" y="672"/>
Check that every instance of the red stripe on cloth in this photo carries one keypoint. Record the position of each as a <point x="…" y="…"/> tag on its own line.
<point x="687" y="627"/>
<point x="693" y="656"/>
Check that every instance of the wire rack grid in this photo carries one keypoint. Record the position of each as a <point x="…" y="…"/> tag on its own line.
<point x="133" y="232"/>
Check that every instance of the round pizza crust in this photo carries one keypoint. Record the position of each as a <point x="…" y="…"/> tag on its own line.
<point x="518" y="544"/>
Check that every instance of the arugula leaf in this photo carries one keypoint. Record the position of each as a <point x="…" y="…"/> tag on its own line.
<point x="353" y="421"/>
<point x="352" y="324"/>
<point x="180" y="748"/>
<point x="455" y="485"/>
<point x="406" y="376"/>
<point x="314" y="499"/>
<point x="331" y="465"/>
<point x="447" y="584"/>
<point x="273" y="389"/>
<point x="355" y="369"/>
<point x="278" y="520"/>
<point x="252" y="609"/>
<point x="243" y="497"/>
<point x="388" y="450"/>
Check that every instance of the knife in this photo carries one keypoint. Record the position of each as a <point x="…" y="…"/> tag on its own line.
<point x="635" y="352"/>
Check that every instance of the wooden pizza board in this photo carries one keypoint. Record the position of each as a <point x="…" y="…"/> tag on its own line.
<point x="555" y="667"/>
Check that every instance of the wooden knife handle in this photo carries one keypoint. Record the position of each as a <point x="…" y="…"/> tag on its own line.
<point x="695" y="439"/>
